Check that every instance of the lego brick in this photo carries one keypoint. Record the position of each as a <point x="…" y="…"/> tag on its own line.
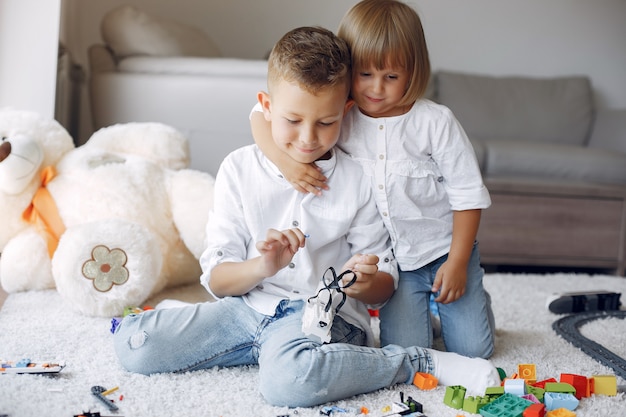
<point x="561" y="412"/>
<point x="454" y="396"/>
<point x="561" y="387"/>
<point x="527" y="371"/>
<point x="556" y="400"/>
<point x="494" y="391"/>
<point x="535" y="410"/>
<point x="425" y="381"/>
<point x="515" y="386"/>
<point x="580" y="384"/>
<point x="605" y="385"/>
<point x="536" y="391"/>
<point x="474" y="404"/>
<point x="507" y="405"/>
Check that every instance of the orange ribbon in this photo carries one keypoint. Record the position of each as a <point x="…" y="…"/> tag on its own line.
<point x="44" y="214"/>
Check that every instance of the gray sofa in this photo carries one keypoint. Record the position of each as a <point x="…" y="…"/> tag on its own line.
<point x="554" y="164"/>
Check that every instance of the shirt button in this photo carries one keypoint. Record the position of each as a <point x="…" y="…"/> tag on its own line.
<point x="292" y="265"/>
<point x="380" y="186"/>
<point x="381" y="156"/>
<point x="296" y="292"/>
<point x="381" y="127"/>
<point x="386" y="260"/>
<point x="295" y="223"/>
<point x="220" y="253"/>
<point x="440" y="179"/>
<point x="385" y="213"/>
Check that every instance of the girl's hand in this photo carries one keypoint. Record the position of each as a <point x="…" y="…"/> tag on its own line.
<point x="450" y="282"/>
<point x="305" y="178"/>
<point x="365" y="267"/>
<point x="278" y="249"/>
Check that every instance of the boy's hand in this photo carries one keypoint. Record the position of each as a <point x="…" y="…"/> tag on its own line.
<point x="305" y="178"/>
<point x="450" y="281"/>
<point x="278" y="249"/>
<point x="365" y="267"/>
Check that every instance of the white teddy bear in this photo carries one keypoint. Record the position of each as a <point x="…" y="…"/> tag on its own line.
<point x="108" y="223"/>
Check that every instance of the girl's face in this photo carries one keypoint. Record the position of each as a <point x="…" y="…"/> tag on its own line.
<point x="378" y="92"/>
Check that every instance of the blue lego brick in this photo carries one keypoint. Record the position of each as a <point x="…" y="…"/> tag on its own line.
<point x="555" y="400"/>
<point x="507" y="405"/>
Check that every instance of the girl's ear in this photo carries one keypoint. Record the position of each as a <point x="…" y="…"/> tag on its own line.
<point x="349" y="103"/>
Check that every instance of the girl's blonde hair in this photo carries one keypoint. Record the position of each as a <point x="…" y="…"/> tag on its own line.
<point x="388" y="32"/>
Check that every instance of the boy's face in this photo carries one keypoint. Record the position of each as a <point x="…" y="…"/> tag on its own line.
<point x="305" y="125"/>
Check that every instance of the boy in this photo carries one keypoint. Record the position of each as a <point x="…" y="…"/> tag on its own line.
<point x="265" y="271"/>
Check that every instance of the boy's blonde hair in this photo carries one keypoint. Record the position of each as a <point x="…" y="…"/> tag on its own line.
<point x="388" y="32"/>
<point x="313" y="57"/>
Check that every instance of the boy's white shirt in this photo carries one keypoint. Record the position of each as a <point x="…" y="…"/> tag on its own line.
<point x="252" y="196"/>
<point x="421" y="166"/>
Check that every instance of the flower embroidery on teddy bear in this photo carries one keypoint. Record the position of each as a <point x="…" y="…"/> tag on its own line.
<point x="106" y="268"/>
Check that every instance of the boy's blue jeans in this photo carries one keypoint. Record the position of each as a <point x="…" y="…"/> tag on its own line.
<point x="293" y="370"/>
<point x="467" y="324"/>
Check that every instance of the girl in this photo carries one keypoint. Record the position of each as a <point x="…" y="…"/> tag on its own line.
<point x="426" y="179"/>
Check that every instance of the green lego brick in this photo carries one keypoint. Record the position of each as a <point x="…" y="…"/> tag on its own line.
<point x="562" y="387"/>
<point x="454" y="396"/>
<point x="537" y="392"/>
<point x="474" y="404"/>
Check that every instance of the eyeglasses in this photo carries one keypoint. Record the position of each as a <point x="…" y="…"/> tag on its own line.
<point x="332" y="281"/>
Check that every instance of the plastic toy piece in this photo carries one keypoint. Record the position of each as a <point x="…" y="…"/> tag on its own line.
<point x="580" y="383"/>
<point x="411" y="403"/>
<point x="605" y="385"/>
<point x="535" y="410"/>
<point x="536" y="391"/>
<point x="555" y="400"/>
<point x="515" y="387"/>
<point x="560" y="387"/>
<point x="97" y="391"/>
<point x="561" y="412"/>
<point x="474" y="404"/>
<point x="577" y="302"/>
<point x="425" y="381"/>
<point x="568" y="328"/>
<point x="497" y="391"/>
<point x="27" y="366"/>
<point x="542" y="384"/>
<point x="528" y="372"/>
<point x="508" y="405"/>
<point x="454" y="396"/>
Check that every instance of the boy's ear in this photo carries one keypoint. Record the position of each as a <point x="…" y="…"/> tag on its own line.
<point x="349" y="103"/>
<point x="264" y="99"/>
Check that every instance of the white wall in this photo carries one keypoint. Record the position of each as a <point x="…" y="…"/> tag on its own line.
<point x="28" y="54"/>
<point x="541" y="38"/>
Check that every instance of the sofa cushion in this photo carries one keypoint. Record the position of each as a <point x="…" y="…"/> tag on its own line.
<point x="557" y="110"/>
<point x="213" y="67"/>
<point x="553" y="162"/>
<point x="130" y="31"/>
<point x="609" y="130"/>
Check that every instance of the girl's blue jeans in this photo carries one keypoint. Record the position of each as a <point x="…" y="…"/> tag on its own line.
<point x="293" y="370"/>
<point x="467" y="324"/>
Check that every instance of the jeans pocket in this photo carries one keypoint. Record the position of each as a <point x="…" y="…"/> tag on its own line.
<point x="344" y="332"/>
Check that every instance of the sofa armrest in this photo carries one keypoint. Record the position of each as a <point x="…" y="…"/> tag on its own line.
<point x="101" y="59"/>
<point x="609" y="130"/>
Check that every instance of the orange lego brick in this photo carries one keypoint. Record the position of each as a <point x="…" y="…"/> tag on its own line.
<point x="425" y="381"/>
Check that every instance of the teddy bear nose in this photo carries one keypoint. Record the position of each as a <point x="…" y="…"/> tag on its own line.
<point x="5" y="150"/>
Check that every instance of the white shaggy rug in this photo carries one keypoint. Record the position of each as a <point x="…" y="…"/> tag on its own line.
<point x="39" y="325"/>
